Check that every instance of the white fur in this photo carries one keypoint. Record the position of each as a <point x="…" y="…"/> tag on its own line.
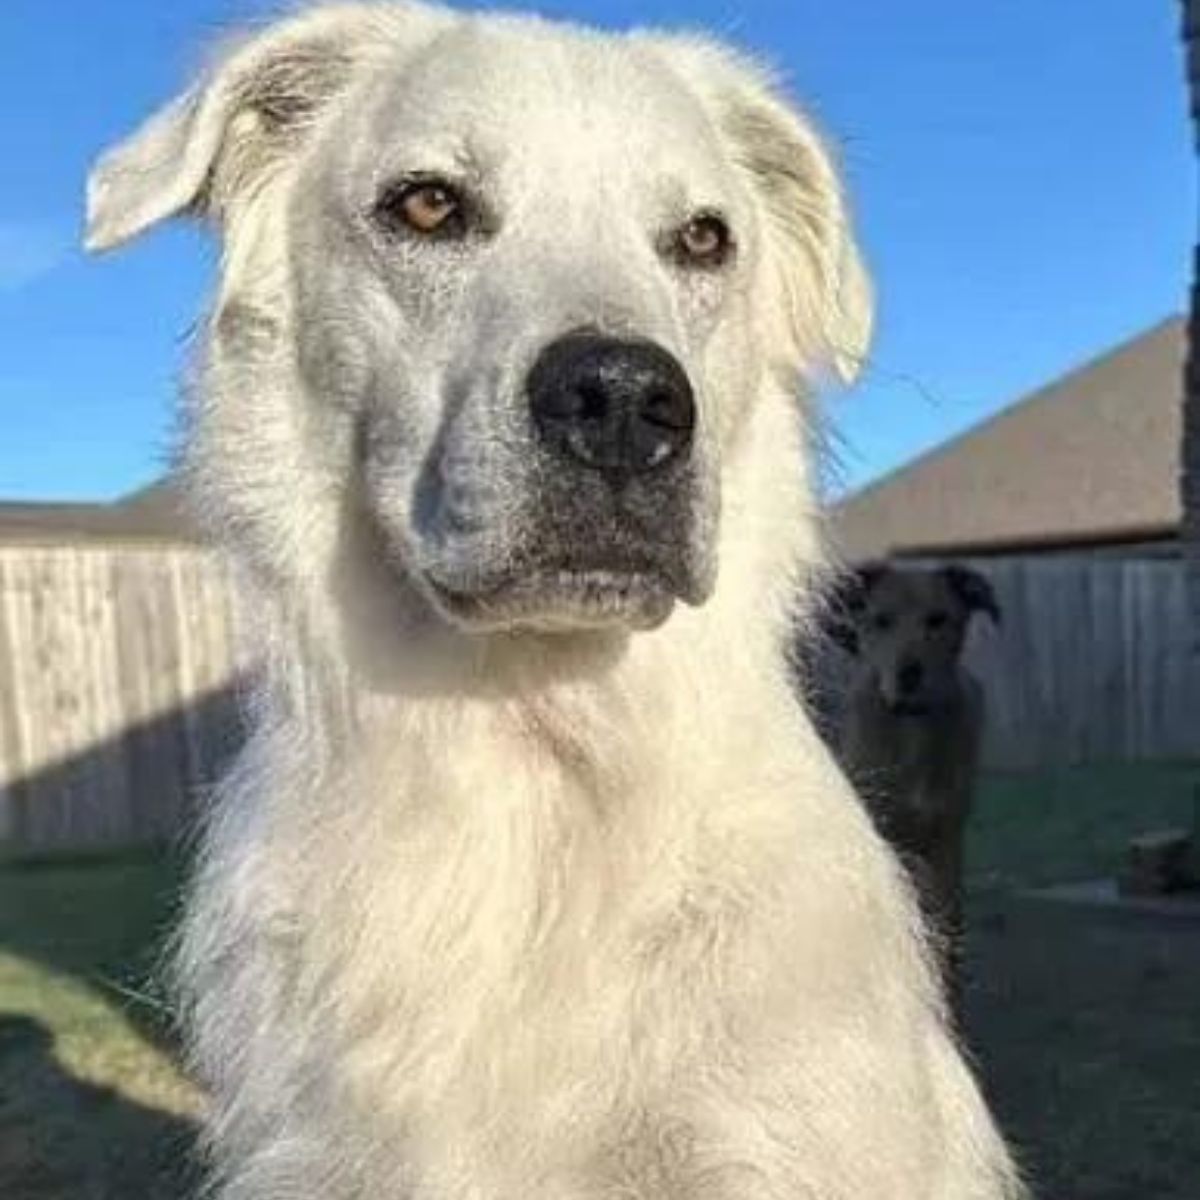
<point x="506" y="913"/>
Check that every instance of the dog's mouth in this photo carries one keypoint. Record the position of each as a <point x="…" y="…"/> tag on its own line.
<point x="561" y="599"/>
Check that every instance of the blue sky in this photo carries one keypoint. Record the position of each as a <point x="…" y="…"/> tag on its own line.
<point x="1021" y="169"/>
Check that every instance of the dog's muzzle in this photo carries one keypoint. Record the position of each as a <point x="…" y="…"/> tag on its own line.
<point x="615" y="531"/>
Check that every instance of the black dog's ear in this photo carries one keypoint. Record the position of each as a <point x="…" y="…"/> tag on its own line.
<point x="847" y="599"/>
<point x="867" y="577"/>
<point x="973" y="589"/>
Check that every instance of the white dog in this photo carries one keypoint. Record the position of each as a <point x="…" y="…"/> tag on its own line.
<point x="534" y="883"/>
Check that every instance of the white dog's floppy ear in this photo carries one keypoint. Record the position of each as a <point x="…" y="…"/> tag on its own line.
<point x="203" y="150"/>
<point x="824" y="288"/>
<point x="824" y="282"/>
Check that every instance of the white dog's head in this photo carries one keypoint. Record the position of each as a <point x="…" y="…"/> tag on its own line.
<point x="496" y="297"/>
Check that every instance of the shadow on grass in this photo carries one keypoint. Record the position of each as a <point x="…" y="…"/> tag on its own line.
<point x="64" y="1139"/>
<point x="92" y="1106"/>
<point x="91" y="873"/>
<point x="1085" y="1028"/>
<point x="1084" y="1021"/>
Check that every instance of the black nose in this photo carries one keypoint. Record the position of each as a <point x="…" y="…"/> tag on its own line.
<point x="909" y="678"/>
<point x="617" y="406"/>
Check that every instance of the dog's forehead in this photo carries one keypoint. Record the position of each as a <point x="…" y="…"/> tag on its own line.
<point x="915" y="591"/>
<point x="571" y="99"/>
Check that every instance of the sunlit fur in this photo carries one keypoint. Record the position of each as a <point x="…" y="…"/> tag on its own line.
<point x="512" y="914"/>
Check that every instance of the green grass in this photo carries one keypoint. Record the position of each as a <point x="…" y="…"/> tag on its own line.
<point x="91" y="1105"/>
<point x="1087" y="1028"/>
<point x="1085" y="1025"/>
<point x="1072" y="824"/>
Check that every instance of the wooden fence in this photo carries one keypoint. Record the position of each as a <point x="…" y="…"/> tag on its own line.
<point x="116" y="697"/>
<point x="117" y="666"/>
<point x="1095" y="661"/>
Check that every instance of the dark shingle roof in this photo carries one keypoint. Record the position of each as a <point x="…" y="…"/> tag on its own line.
<point x="151" y="514"/>
<point x="1092" y="457"/>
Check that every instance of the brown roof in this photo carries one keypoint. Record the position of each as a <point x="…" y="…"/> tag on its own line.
<point x="158" y="507"/>
<point x="1092" y="457"/>
<point x="151" y="514"/>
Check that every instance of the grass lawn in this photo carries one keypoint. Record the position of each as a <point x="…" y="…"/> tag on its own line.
<point x="1071" y="824"/>
<point x="1087" y="1031"/>
<point x="1086" y="1026"/>
<point x="91" y="1107"/>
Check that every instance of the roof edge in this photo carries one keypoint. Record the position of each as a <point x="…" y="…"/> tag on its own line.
<point x="1037" y="545"/>
<point x="949" y="444"/>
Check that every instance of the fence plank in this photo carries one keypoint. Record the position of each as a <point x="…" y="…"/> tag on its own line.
<point x="116" y="665"/>
<point x="1094" y="662"/>
<point x="115" y="668"/>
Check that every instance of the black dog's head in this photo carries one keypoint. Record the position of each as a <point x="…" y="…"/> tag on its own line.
<point x="907" y="627"/>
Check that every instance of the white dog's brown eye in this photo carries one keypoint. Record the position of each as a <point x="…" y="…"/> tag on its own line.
<point x="704" y="241"/>
<point x="430" y="207"/>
